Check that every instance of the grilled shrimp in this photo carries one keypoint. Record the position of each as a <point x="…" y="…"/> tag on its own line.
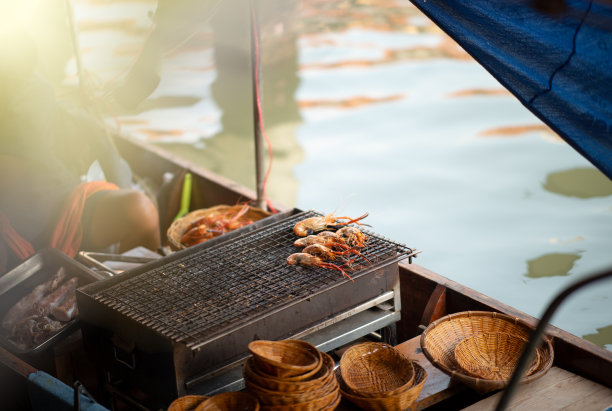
<point x="198" y="234"/>
<point x="353" y="236"/>
<point x="309" y="260"/>
<point x="327" y="241"/>
<point x="323" y="252"/>
<point x="316" y="224"/>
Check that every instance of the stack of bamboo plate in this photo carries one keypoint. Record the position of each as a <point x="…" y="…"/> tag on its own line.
<point x="375" y="376"/>
<point x="230" y="401"/>
<point x="481" y="349"/>
<point x="291" y="375"/>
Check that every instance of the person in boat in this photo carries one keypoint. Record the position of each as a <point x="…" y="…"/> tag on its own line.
<point x="45" y="201"/>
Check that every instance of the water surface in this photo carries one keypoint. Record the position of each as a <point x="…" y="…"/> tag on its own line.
<point x="369" y="107"/>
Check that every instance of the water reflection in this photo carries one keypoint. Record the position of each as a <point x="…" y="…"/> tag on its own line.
<point x="551" y="265"/>
<point x="584" y="182"/>
<point x="602" y="338"/>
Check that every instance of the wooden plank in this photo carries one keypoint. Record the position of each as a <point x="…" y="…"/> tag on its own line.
<point x="557" y="390"/>
<point x="438" y="385"/>
<point x="435" y="308"/>
<point x="15" y="363"/>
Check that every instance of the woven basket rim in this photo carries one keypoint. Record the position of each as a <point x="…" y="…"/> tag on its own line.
<point x="487" y="384"/>
<point x="296" y="370"/>
<point x="251" y="373"/>
<point x="177" y="228"/>
<point x="227" y="398"/>
<point x="187" y="402"/>
<point x="413" y="391"/>
<point x="347" y="361"/>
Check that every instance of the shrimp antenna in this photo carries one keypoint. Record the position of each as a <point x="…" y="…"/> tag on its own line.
<point x="342" y="202"/>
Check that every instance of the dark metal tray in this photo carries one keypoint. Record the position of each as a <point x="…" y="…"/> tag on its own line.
<point x="34" y="271"/>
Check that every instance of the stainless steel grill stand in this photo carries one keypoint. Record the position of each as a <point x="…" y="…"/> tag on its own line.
<point x="344" y="328"/>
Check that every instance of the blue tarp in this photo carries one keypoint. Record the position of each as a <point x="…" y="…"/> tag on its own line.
<point x="558" y="64"/>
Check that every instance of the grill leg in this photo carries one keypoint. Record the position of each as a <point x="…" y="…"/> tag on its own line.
<point x="389" y="334"/>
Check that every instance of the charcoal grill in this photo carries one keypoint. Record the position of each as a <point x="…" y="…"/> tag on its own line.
<point x="170" y="325"/>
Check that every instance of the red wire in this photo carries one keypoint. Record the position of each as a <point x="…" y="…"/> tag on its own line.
<point x="259" y="111"/>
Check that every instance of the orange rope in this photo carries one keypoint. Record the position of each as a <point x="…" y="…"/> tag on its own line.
<point x="20" y="246"/>
<point x="68" y="232"/>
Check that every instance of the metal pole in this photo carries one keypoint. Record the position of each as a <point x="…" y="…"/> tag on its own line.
<point x="75" y="45"/>
<point x="257" y="114"/>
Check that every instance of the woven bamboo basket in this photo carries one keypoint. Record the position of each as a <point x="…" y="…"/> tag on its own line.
<point x="332" y="406"/>
<point x="441" y="337"/>
<point x="186" y="403"/>
<point x="376" y="369"/>
<point x="320" y="378"/>
<point x="179" y="227"/>
<point x="396" y="402"/>
<point x="234" y="400"/>
<point x="270" y="397"/>
<point x="287" y="358"/>
<point x="492" y="356"/>
<point x="327" y="402"/>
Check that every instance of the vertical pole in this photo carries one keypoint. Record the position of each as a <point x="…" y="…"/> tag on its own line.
<point x="75" y="45"/>
<point x="257" y="114"/>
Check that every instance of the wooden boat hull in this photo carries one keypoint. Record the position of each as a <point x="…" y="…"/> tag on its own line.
<point x="425" y="295"/>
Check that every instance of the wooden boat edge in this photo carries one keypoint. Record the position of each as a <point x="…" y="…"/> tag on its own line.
<point x="571" y="352"/>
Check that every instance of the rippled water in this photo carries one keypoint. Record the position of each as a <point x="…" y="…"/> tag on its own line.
<point x="370" y="108"/>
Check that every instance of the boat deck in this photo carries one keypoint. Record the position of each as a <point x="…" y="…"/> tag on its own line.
<point x="559" y="389"/>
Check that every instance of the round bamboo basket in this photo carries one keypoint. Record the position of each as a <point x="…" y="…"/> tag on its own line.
<point x="178" y="228"/>
<point x="287" y="358"/>
<point x="441" y="337"/>
<point x="269" y="397"/>
<point x="328" y="402"/>
<point x="492" y="356"/>
<point x="186" y="403"/>
<point x="253" y="375"/>
<point x="376" y="369"/>
<point x="234" y="401"/>
<point x="396" y="402"/>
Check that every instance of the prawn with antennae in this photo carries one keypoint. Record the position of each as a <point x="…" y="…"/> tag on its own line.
<point x="352" y="236"/>
<point x="309" y="260"/>
<point x="327" y="253"/>
<point x="329" y="240"/>
<point x="321" y="223"/>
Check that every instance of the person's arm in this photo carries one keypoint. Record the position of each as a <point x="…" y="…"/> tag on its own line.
<point x="87" y="131"/>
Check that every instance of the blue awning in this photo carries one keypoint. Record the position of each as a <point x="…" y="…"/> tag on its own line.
<point x="558" y="64"/>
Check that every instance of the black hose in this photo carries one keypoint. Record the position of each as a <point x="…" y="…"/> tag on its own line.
<point x="537" y="335"/>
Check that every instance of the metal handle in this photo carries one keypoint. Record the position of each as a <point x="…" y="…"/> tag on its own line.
<point x="78" y="390"/>
<point x="131" y="365"/>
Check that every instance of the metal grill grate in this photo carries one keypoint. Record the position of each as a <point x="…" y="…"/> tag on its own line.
<point x="220" y="287"/>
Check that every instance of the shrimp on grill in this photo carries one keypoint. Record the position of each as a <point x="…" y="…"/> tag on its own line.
<point x="323" y="252"/>
<point x="197" y="235"/>
<point x="325" y="240"/>
<point x="327" y="253"/>
<point x="353" y="236"/>
<point x="309" y="260"/>
<point x="214" y="224"/>
<point x="316" y="224"/>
